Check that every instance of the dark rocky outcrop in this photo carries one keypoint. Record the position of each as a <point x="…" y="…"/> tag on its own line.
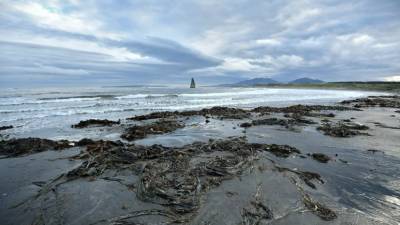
<point x="392" y="101"/>
<point x="245" y="125"/>
<point x="219" y="112"/>
<point x="25" y="146"/>
<point x="322" y="158"/>
<point x="84" y="142"/>
<point x="303" y="110"/>
<point x="95" y="122"/>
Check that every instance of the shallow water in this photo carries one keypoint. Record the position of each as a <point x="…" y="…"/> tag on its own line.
<point x="51" y="112"/>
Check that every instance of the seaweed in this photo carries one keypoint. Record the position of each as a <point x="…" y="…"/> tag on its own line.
<point x="256" y="211"/>
<point x="159" y="127"/>
<point x="95" y="122"/>
<point x="342" y="129"/>
<point x="318" y="209"/>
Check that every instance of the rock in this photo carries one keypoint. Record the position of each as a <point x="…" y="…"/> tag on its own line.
<point x="24" y="146"/>
<point x="300" y="109"/>
<point x="84" y="142"/>
<point x="245" y="125"/>
<point x="155" y="115"/>
<point x="94" y="122"/>
<point x="375" y="101"/>
<point x="217" y="111"/>
<point x="322" y="158"/>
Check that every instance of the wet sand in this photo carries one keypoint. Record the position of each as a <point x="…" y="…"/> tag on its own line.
<point x="205" y="167"/>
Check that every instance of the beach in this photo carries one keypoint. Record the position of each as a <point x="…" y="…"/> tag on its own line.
<point x="205" y="156"/>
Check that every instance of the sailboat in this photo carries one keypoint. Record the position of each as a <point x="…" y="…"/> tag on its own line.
<point x="192" y="84"/>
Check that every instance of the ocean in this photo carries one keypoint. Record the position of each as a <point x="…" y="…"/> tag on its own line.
<point x="50" y="112"/>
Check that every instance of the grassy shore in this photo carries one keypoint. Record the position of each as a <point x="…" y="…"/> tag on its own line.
<point x="370" y="86"/>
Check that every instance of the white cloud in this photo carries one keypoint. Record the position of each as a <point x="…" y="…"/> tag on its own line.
<point x="115" y="53"/>
<point x="357" y="39"/>
<point x="268" y="41"/>
<point x="392" y="78"/>
<point x="238" y="64"/>
<point x="51" y="16"/>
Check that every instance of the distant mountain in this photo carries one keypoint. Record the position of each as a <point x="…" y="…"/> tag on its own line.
<point x="306" y="80"/>
<point x="255" y="81"/>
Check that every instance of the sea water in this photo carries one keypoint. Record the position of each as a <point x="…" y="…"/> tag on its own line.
<point x="33" y="111"/>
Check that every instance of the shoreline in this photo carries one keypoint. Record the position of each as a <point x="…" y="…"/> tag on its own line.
<point x="219" y="165"/>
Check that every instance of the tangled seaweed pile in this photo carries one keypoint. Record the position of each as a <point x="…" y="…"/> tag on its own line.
<point x="159" y="127"/>
<point x="343" y="129"/>
<point x="176" y="178"/>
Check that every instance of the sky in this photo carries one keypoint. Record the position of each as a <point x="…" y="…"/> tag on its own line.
<point x="130" y="42"/>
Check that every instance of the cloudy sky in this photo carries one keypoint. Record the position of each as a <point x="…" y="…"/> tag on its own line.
<point x="88" y="42"/>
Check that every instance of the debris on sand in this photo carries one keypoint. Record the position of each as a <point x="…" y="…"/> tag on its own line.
<point x="305" y="176"/>
<point x="318" y="209"/>
<point x="217" y="111"/>
<point x="159" y="127"/>
<point x="320" y="157"/>
<point x="95" y="122"/>
<point x="6" y="127"/>
<point x="392" y="101"/>
<point x="170" y="183"/>
<point x="25" y="146"/>
<point x="256" y="212"/>
<point x="343" y="129"/>
<point x="175" y="177"/>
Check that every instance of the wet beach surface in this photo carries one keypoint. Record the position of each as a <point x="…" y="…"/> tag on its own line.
<point x="285" y="165"/>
